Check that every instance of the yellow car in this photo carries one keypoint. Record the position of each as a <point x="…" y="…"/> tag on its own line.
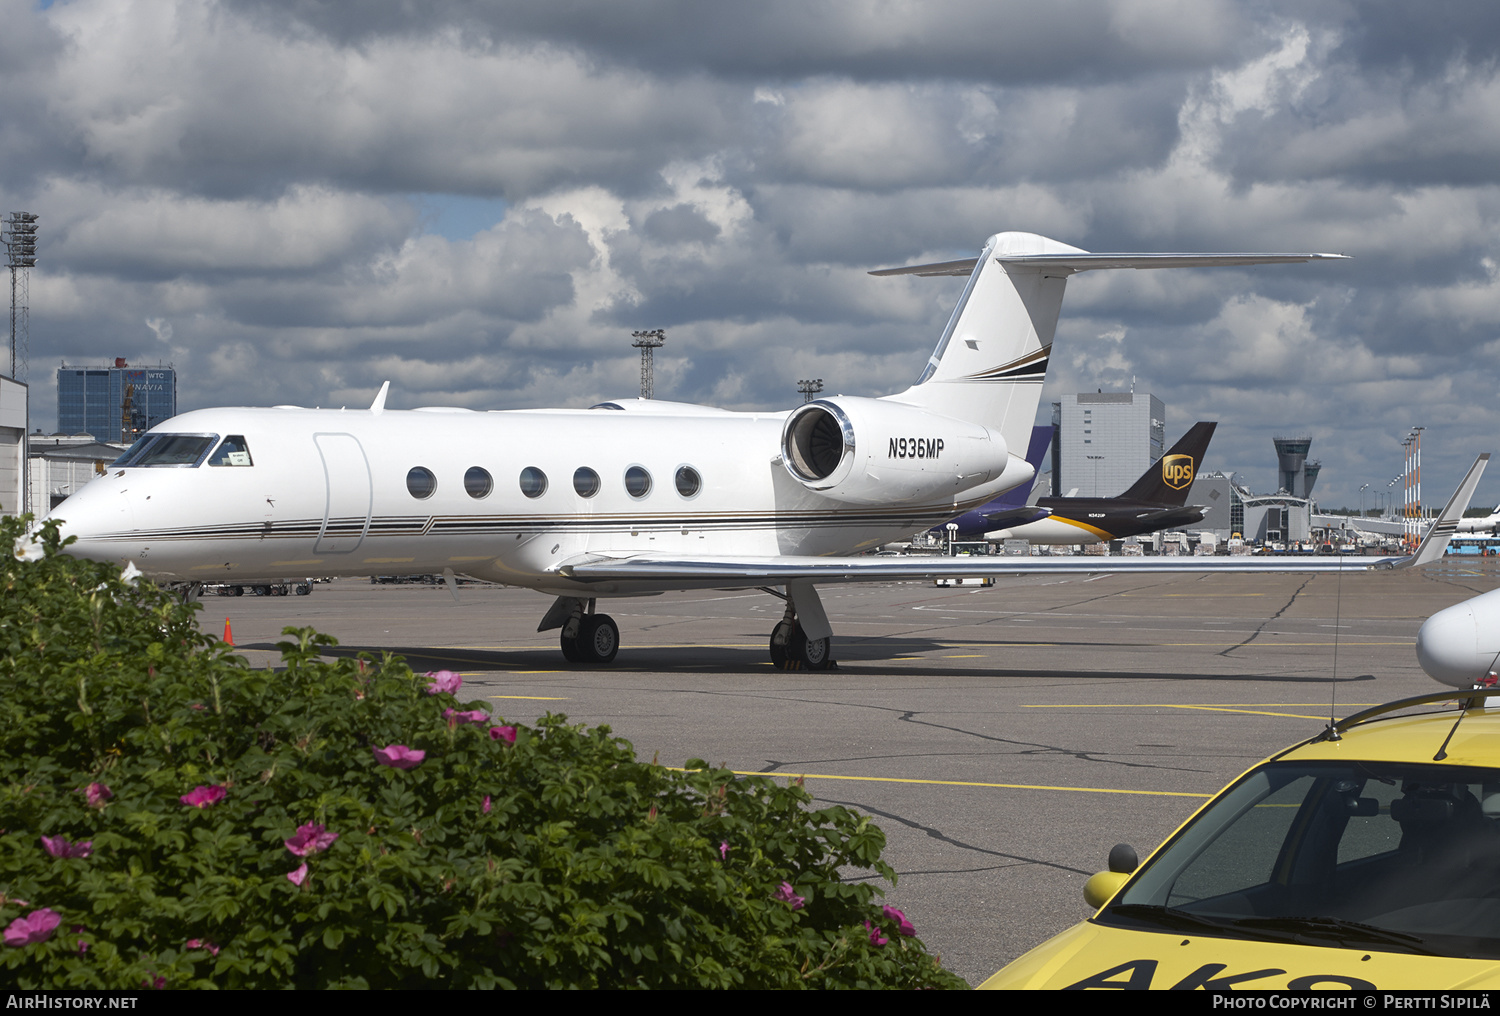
<point x="1367" y="857"/>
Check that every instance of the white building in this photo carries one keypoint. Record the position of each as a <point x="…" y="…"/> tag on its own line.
<point x="13" y="396"/>
<point x="1105" y="441"/>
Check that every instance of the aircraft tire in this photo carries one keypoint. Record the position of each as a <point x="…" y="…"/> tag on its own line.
<point x="236" y="590"/>
<point x="304" y="589"/>
<point x="810" y="654"/>
<point x="570" y="649"/>
<point x="781" y="638"/>
<point x="598" y="638"/>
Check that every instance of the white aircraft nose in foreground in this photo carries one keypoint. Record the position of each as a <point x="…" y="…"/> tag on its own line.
<point x="631" y="497"/>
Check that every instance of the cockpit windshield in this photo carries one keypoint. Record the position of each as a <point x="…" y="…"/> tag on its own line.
<point x="181" y="450"/>
<point x="233" y="452"/>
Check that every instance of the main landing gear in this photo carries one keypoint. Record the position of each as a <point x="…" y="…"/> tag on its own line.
<point x="586" y="637"/>
<point x="802" y="639"/>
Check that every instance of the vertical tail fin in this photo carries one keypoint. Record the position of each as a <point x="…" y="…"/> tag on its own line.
<point x="1168" y="479"/>
<point x="990" y="363"/>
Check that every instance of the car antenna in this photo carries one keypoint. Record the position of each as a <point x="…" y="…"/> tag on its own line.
<point x="1333" y="682"/>
<point x="1487" y="682"/>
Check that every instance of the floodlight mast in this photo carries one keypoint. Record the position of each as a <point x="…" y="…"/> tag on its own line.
<point x="647" y="343"/>
<point x="809" y="387"/>
<point x="19" y="236"/>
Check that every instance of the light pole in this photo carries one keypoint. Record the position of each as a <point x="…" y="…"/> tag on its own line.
<point x="1362" y="500"/>
<point x="809" y="387"/>
<point x="1095" y="459"/>
<point x="19" y="238"/>
<point x="648" y="343"/>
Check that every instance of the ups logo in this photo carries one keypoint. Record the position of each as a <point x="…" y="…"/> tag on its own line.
<point x="1177" y="471"/>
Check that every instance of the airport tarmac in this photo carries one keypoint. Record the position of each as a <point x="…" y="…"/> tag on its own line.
<point x="1004" y="737"/>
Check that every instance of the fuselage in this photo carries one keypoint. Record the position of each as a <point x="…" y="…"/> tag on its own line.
<point x="504" y="496"/>
<point x="1086" y="520"/>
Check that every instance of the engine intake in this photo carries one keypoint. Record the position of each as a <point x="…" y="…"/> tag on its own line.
<point x="817" y="440"/>
<point x="902" y="454"/>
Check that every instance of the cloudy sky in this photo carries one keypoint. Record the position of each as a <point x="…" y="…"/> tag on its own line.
<point x="295" y="200"/>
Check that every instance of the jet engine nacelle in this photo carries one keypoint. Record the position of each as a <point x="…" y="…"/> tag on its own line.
<point x="869" y="451"/>
<point x="1459" y="645"/>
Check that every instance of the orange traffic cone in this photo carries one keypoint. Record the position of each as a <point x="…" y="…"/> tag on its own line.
<point x="228" y="635"/>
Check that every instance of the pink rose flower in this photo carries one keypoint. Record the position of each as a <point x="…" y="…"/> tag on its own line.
<point x="902" y="924"/>
<point x="486" y="804"/>
<point x="876" y="938"/>
<point x="786" y="895"/>
<point x="399" y="756"/>
<point x="506" y="734"/>
<point x="311" y="838"/>
<point x="58" y="846"/>
<point x="298" y="876"/>
<point x="203" y="797"/>
<point x="454" y="717"/>
<point x="97" y="794"/>
<point x="723" y="850"/>
<point x="37" y="926"/>
<point x="444" y="681"/>
<point x="202" y="943"/>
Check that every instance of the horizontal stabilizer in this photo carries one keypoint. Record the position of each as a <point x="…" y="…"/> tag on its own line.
<point x="1086" y="262"/>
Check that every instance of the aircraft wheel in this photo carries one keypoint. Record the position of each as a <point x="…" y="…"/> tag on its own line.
<point x="262" y="590"/>
<point x="599" y="638"/>
<point x="570" y="648"/>
<point x="810" y="654"/>
<point x="781" y="637"/>
<point x="236" y="590"/>
<point x="304" y="589"/>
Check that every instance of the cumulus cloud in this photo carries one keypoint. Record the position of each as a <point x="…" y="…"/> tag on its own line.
<point x="247" y="189"/>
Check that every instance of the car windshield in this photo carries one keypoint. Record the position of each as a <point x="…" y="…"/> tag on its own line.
<point x="1390" y="856"/>
<point x="167" y="450"/>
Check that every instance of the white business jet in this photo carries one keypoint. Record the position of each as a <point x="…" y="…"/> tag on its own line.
<point x="631" y="497"/>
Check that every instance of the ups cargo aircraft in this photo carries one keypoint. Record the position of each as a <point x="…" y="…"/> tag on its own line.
<point x="1158" y="500"/>
<point x="632" y="497"/>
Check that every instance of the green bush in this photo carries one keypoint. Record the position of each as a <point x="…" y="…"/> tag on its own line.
<point x="171" y="817"/>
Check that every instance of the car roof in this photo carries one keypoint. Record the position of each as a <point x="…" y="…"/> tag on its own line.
<point x="1452" y="728"/>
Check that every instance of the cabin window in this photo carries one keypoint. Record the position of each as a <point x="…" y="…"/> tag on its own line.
<point x="533" y="482"/>
<point x="637" y="481"/>
<point x="233" y="452"/>
<point x="420" y="482"/>
<point x="585" y="481"/>
<point x="688" y="481"/>
<point x="181" y="450"/>
<point x="477" y="482"/>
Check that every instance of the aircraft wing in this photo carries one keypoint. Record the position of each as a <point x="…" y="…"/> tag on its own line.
<point x="665" y="571"/>
<point x="1005" y="518"/>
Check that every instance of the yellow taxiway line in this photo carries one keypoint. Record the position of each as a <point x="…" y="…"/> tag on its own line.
<point x="963" y="783"/>
<point x="1242" y="708"/>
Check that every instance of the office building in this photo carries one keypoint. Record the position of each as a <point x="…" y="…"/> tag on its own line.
<point x="117" y="403"/>
<point x="1104" y="441"/>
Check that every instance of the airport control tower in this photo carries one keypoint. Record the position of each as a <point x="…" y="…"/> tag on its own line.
<point x="1294" y="474"/>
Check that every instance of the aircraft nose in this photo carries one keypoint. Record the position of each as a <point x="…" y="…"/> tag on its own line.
<point x="1451" y="644"/>
<point x="95" y="511"/>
